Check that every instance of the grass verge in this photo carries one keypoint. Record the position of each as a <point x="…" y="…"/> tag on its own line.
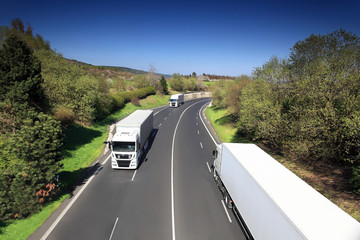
<point x="82" y="146"/>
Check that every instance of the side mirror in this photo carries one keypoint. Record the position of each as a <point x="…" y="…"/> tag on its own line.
<point x="214" y="154"/>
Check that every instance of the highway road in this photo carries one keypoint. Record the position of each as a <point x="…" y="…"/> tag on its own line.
<point x="172" y="195"/>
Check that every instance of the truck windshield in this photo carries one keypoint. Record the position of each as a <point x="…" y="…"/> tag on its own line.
<point x="173" y="100"/>
<point x="123" y="146"/>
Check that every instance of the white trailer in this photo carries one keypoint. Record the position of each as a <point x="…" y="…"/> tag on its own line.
<point x="131" y="139"/>
<point x="176" y="100"/>
<point x="273" y="203"/>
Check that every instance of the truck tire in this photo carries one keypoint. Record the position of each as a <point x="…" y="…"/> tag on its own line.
<point x="228" y="201"/>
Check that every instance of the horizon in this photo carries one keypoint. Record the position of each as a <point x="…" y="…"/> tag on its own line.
<point x="229" y="38"/>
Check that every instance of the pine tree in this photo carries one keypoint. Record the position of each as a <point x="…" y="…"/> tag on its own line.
<point x="164" y="85"/>
<point x="20" y="75"/>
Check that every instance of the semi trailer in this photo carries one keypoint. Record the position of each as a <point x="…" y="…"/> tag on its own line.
<point x="270" y="202"/>
<point x="131" y="139"/>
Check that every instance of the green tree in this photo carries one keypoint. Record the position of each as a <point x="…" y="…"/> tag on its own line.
<point x="140" y="81"/>
<point x="190" y="84"/>
<point x="324" y="97"/>
<point x="164" y="85"/>
<point x="20" y="75"/>
<point x="260" y="115"/>
<point x="29" y="163"/>
<point x="67" y="87"/>
<point x="177" y="82"/>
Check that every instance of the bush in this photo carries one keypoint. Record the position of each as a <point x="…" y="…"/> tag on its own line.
<point x="135" y="101"/>
<point x="355" y="180"/>
<point x="64" y="115"/>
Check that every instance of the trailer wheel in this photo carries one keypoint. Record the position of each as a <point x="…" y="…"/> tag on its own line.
<point x="228" y="201"/>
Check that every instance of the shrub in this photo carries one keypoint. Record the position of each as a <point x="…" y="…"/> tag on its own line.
<point x="64" y="115"/>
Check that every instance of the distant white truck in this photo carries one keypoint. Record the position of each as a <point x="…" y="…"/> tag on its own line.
<point x="131" y="139"/>
<point x="176" y="100"/>
<point x="271" y="202"/>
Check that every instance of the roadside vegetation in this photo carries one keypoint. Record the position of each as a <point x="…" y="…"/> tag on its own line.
<point x="54" y="117"/>
<point x="306" y="110"/>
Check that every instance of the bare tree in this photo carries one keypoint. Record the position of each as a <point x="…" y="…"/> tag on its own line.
<point x="153" y="78"/>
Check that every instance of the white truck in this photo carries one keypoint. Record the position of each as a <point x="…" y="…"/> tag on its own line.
<point x="271" y="202"/>
<point x="176" y="100"/>
<point x="131" y="139"/>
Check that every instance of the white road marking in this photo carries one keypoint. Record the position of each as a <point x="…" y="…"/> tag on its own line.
<point x="160" y="110"/>
<point x="160" y="125"/>
<point x="107" y="159"/>
<point x="208" y="166"/>
<point x="226" y="211"/>
<point x="206" y="126"/>
<point x="165" y="118"/>
<point x="198" y="132"/>
<point x="66" y="209"/>
<point x="172" y="175"/>
<point x="197" y="124"/>
<point x="201" y="145"/>
<point x="112" y="232"/>
<point x="132" y="179"/>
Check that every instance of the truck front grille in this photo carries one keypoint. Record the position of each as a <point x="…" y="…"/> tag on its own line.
<point x="123" y="163"/>
<point x="123" y="156"/>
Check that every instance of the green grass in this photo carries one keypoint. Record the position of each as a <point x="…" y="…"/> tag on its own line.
<point x="224" y="124"/>
<point x="82" y="146"/>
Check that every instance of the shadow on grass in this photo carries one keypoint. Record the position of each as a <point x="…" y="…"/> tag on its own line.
<point x="3" y="225"/>
<point x="239" y="137"/>
<point x="227" y="119"/>
<point x="76" y="136"/>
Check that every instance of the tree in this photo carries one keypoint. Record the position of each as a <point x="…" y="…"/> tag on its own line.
<point x="153" y="78"/>
<point x="324" y="97"/>
<point x="164" y="85"/>
<point x="20" y="75"/>
<point x="140" y="81"/>
<point x="18" y="25"/>
<point x="176" y="82"/>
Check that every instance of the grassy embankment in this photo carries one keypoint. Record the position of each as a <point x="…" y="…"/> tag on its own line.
<point x="82" y="146"/>
<point x="327" y="180"/>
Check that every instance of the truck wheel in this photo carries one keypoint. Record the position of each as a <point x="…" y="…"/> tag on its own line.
<point x="228" y="201"/>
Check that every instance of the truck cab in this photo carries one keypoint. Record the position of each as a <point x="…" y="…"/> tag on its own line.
<point x="217" y="160"/>
<point x="176" y="100"/>
<point x="125" y="149"/>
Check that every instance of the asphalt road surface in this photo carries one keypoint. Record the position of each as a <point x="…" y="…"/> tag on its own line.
<point x="172" y="195"/>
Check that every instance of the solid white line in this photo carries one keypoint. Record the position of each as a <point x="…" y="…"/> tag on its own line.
<point x="172" y="175"/>
<point x="208" y="166"/>
<point x="160" y="111"/>
<point x="112" y="232"/>
<point x="226" y="211"/>
<point x="205" y="126"/>
<point x="201" y="145"/>
<point x="107" y="159"/>
<point x="132" y="179"/>
<point x="66" y="209"/>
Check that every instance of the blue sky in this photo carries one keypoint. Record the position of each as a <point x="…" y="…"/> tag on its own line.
<point x="213" y="37"/>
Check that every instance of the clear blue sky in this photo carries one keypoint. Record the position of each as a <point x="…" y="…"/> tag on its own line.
<point x="214" y="37"/>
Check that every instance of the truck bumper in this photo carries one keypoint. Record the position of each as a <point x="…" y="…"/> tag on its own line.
<point x="124" y="164"/>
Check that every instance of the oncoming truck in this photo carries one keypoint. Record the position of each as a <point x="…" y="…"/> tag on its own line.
<point x="176" y="100"/>
<point x="131" y="139"/>
<point x="271" y="202"/>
